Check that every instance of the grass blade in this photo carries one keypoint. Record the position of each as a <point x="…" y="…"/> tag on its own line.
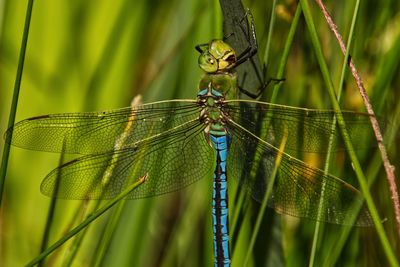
<point x="327" y="160"/>
<point x="17" y="86"/>
<point x="87" y="221"/>
<point x="389" y="168"/>
<point x="51" y="213"/>
<point x="342" y="126"/>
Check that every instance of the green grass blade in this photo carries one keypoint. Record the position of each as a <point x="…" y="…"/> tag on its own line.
<point x="51" y="213"/>
<point x="17" y="86"/>
<point x="270" y="32"/>
<point x="282" y="66"/>
<point x="73" y="250"/>
<point x="342" y="126"/>
<point x="318" y="227"/>
<point x="106" y="237"/>
<point x="87" y="221"/>
<point x="265" y="201"/>
<point x="286" y="51"/>
<point x="112" y="223"/>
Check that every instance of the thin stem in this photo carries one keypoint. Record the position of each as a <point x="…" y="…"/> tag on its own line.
<point x="389" y="168"/>
<point x="17" y="86"/>
<point x="286" y="51"/>
<point x="343" y="129"/>
<point x="266" y="198"/>
<point x="52" y="208"/>
<point x="270" y="31"/>
<point x="339" y="93"/>
<point x="87" y="221"/>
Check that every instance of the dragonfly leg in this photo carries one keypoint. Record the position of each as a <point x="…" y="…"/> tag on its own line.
<point x="260" y="89"/>
<point x="201" y="47"/>
<point x="250" y="32"/>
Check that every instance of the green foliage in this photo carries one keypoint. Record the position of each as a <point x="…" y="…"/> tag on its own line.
<point x="97" y="55"/>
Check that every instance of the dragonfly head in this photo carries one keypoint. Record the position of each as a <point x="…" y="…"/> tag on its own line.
<point x="216" y="56"/>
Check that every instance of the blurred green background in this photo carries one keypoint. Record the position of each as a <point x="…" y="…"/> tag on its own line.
<point x="98" y="55"/>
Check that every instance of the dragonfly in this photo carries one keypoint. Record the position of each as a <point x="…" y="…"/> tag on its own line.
<point x="216" y="135"/>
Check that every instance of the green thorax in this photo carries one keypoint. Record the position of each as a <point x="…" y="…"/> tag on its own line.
<point x="225" y="83"/>
<point x="214" y="89"/>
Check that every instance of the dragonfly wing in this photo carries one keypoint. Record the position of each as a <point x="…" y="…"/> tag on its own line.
<point x="298" y="189"/>
<point x="96" y="132"/>
<point x="171" y="160"/>
<point x="310" y="129"/>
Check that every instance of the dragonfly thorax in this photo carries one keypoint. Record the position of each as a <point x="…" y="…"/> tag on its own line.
<point x="225" y="83"/>
<point x="212" y="114"/>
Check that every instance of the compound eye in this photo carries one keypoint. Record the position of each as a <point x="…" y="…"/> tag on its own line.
<point x="208" y="63"/>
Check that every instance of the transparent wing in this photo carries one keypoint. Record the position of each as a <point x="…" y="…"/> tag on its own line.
<point x="299" y="189"/>
<point x="172" y="160"/>
<point x="309" y="129"/>
<point x="95" y="132"/>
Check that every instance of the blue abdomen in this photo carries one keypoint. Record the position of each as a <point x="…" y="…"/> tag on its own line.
<point x="220" y="203"/>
